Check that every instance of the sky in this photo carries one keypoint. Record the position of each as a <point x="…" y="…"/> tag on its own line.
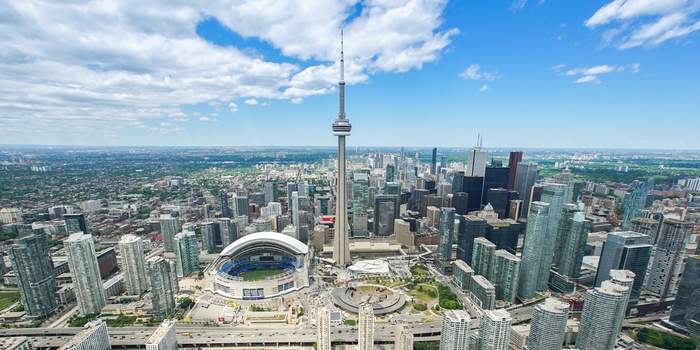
<point x="523" y="74"/>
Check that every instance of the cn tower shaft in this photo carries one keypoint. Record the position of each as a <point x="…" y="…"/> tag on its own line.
<point x="341" y="128"/>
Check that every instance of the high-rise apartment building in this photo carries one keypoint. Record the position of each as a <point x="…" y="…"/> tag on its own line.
<point x="133" y="264"/>
<point x="482" y="257"/>
<point x="433" y="162"/>
<point x="533" y="250"/>
<point x="635" y="201"/>
<point x="163" y="338"/>
<point x="455" y="330"/>
<point x="271" y="190"/>
<point x="386" y="210"/>
<point x="470" y="227"/>
<point x="365" y="340"/>
<point x="646" y="226"/>
<point x="323" y="324"/>
<point x="482" y="292"/>
<point x="33" y="269"/>
<point x="404" y="338"/>
<point x="446" y="234"/>
<point x="93" y="337"/>
<point x="168" y="229"/>
<point x="668" y="257"/>
<point x="625" y="251"/>
<point x="603" y="312"/>
<point x="572" y="235"/>
<point x="514" y="158"/>
<point x="506" y="273"/>
<point x="554" y="195"/>
<point x="565" y="178"/>
<point x="162" y="285"/>
<point x="548" y="326"/>
<point x="525" y="178"/>
<point x="686" y="309"/>
<point x="16" y="343"/>
<point x="87" y="283"/>
<point x="224" y="207"/>
<point x="186" y="253"/>
<point x="494" y="330"/>
<point x="390" y="173"/>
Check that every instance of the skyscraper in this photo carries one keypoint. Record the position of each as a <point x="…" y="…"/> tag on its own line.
<point x="162" y="285"/>
<point x="341" y="128"/>
<point x="476" y="162"/>
<point x="93" y="337"/>
<point x="365" y="340"/>
<point x="506" y="273"/>
<point x="446" y="234"/>
<point x="433" y="162"/>
<point x="33" y="269"/>
<point x="323" y="323"/>
<point x="525" y="178"/>
<point x="494" y="330"/>
<point x="82" y="262"/>
<point x="390" y="175"/>
<point x="686" y="309"/>
<point x="625" y="251"/>
<point x="537" y="225"/>
<point x="668" y="257"/>
<point x="168" y="229"/>
<point x="646" y="226"/>
<point x="404" y="338"/>
<point x="495" y="177"/>
<point x="223" y="203"/>
<point x="470" y="227"/>
<point x="514" y="158"/>
<point x="601" y="319"/>
<point x="483" y="257"/>
<point x="386" y="210"/>
<point x="455" y="330"/>
<point x="572" y="235"/>
<point x="565" y="178"/>
<point x="554" y="195"/>
<point x="635" y="201"/>
<point x="548" y="326"/>
<point x="163" y="338"/>
<point x="360" y="203"/>
<point x="131" y="251"/>
<point x="271" y="190"/>
<point x="186" y="253"/>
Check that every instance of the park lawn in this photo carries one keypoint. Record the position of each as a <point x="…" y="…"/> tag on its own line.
<point x="7" y="299"/>
<point x="421" y="296"/>
<point x="260" y="274"/>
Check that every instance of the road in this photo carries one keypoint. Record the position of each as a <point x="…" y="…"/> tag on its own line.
<point x="135" y="337"/>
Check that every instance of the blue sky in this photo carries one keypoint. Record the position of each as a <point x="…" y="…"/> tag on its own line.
<point x="548" y="73"/>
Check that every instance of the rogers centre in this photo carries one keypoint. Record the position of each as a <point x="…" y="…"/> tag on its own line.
<point x="257" y="252"/>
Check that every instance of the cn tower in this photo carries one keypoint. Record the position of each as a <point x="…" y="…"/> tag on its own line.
<point x="341" y="128"/>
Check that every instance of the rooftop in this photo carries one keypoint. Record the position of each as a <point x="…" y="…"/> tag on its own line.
<point x="160" y="332"/>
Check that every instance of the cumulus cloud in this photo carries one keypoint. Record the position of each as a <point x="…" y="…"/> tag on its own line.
<point x="474" y="72"/>
<point x="203" y="119"/>
<point x="590" y="74"/>
<point x="252" y="102"/>
<point x="90" y="65"/>
<point x="632" y="23"/>
<point x="484" y="88"/>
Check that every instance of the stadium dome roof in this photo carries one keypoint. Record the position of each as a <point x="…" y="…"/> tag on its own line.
<point x="266" y="238"/>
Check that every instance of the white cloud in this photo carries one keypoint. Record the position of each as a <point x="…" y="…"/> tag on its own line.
<point x="252" y="102"/>
<point x="474" y="72"/>
<point x="297" y="100"/>
<point x="203" y="119"/>
<point x="484" y="88"/>
<point x="632" y="23"/>
<point x="518" y="5"/>
<point x="91" y="65"/>
<point x="590" y="74"/>
<point x="214" y="114"/>
<point x="587" y="79"/>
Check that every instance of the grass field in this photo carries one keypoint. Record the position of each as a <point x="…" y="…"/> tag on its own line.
<point x="259" y="274"/>
<point x="7" y="298"/>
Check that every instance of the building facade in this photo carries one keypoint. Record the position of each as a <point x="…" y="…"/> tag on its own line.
<point x="365" y="340"/>
<point x="186" y="253"/>
<point x="602" y="316"/>
<point x="668" y="257"/>
<point x="162" y="285"/>
<point x="93" y="337"/>
<point x="506" y="273"/>
<point x="133" y="264"/>
<point x="494" y="330"/>
<point x="625" y="251"/>
<point x="163" y="338"/>
<point x="33" y="269"/>
<point x="548" y="326"/>
<point x="82" y="261"/>
<point x="537" y="226"/>
<point x="168" y="229"/>
<point x="447" y="225"/>
<point x="455" y="330"/>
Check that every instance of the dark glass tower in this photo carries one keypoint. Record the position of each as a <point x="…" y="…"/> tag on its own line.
<point x="513" y="160"/>
<point x="470" y="227"/>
